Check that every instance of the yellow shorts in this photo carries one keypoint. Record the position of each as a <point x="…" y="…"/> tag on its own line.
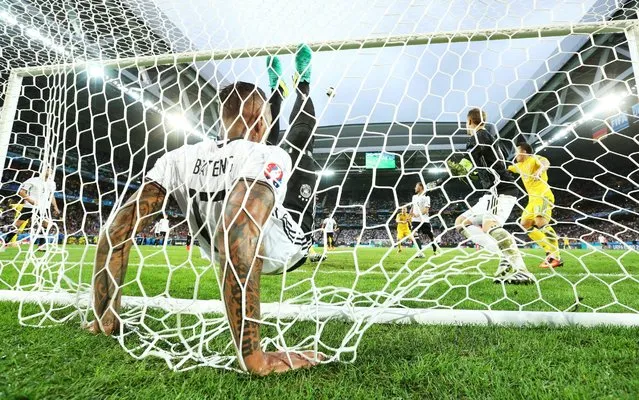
<point x="402" y="233"/>
<point x="538" y="207"/>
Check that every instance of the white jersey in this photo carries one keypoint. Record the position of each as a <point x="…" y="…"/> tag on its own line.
<point x="162" y="226"/>
<point x="200" y="176"/>
<point x="602" y="239"/>
<point x="329" y="225"/>
<point x="420" y="201"/>
<point x="39" y="190"/>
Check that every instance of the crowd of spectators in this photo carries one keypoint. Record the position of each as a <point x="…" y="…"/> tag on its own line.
<point x="582" y="213"/>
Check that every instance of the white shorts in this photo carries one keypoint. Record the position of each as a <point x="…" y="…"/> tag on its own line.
<point x="283" y="242"/>
<point x="490" y="207"/>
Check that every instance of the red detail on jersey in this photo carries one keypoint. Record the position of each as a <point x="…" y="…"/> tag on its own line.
<point x="274" y="174"/>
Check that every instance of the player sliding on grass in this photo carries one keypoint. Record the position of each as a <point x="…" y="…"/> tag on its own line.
<point x="482" y="223"/>
<point x="538" y="213"/>
<point x="232" y="193"/>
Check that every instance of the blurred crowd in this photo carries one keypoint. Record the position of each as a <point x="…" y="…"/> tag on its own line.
<point x="582" y="213"/>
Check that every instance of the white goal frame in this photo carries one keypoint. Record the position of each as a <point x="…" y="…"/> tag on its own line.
<point x="283" y="310"/>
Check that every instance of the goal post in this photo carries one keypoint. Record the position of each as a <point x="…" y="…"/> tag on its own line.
<point x="171" y="305"/>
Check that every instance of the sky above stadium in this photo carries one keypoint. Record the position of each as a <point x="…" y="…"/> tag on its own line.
<point x="411" y="83"/>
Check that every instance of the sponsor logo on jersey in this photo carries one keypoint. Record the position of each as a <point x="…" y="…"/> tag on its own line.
<point x="274" y="174"/>
<point x="305" y="191"/>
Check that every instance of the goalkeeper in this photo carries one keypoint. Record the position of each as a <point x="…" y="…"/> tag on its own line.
<point x="232" y="193"/>
<point x="297" y="141"/>
<point x="538" y="213"/>
<point x="483" y="222"/>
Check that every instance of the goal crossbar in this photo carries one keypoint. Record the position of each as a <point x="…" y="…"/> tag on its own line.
<point x="540" y="31"/>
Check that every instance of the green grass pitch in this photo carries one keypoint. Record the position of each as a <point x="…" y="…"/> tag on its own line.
<point x="393" y="361"/>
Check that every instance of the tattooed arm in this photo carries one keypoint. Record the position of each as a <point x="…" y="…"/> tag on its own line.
<point x="247" y="210"/>
<point x="112" y="255"/>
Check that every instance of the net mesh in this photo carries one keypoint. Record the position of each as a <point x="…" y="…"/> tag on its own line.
<point x="385" y="80"/>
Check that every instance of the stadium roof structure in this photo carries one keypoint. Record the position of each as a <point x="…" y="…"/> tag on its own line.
<point x="435" y="82"/>
<point x="395" y="96"/>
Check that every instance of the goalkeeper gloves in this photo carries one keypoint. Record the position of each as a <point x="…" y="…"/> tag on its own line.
<point x="466" y="164"/>
<point x="461" y="168"/>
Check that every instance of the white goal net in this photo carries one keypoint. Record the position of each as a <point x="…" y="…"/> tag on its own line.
<point x="94" y="94"/>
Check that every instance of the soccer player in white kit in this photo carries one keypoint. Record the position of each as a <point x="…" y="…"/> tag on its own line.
<point x="604" y="242"/>
<point x="420" y="220"/>
<point x="232" y="193"/>
<point x="37" y="198"/>
<point x="329" y="225"/>
<point x="161" y="230"/>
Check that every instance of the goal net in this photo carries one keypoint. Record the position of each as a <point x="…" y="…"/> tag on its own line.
<point x="95" y="94"/>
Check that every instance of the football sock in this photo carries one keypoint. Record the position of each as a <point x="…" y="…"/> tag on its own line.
<point x="540" y="238"/>
<point x="552" y="240"/>
<point x="478" y="236"/>
<point x="508" y="247"/>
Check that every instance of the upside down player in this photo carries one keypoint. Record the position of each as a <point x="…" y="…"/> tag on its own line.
<point x="482" y="223"/>
<point x="538" y="213"/>
<point x="232" y="193"/>
<point x="297" y="141"/>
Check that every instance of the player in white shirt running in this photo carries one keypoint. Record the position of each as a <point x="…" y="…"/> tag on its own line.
<point x="329" y="226"/>
<point x="604" y="242"/>
<point x="420" y="221"/>
<point x="161" y="230"/>
<point x="232" y="193"/>
<point x="37" y="198"/>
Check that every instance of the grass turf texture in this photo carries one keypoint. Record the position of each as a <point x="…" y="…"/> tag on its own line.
<point x="604" y="281"/>
<point x="405" y="361"/>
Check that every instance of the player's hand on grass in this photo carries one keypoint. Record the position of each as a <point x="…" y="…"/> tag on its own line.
<point x="279" y="361"/>
<point x="110" y="325"/>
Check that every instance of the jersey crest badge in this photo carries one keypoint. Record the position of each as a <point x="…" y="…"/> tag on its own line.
<point x="305" y="191"/>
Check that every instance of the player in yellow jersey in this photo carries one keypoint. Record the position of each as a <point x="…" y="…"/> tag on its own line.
<point x="12" y="241"/>
<point x="538" y="213"/>
<point x="403" y="220"/>
<point x="566" y="243"/>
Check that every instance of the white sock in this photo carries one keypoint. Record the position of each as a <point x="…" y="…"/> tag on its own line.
<point x="506" y="243"/>
<point x="478" y="236"/>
